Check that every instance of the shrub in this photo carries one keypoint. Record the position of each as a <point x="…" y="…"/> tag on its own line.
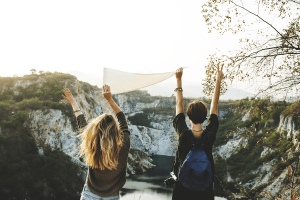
<point x="6" y="95"/>
<point x="34" y="103"/>
<point x="282" y="165"/>
<point x="276" y="114"/>
<point x="220" y="169"/>
<point x="161" y="110"/>
<point x="229" y="125"/>
<point x="249" y="177"/>
<point x="2" y="138"/>
<point x="272" y="139"/>
<point x="4" y="106"/>
<point x="246" y="159"/>
<point x="19" y="118"/>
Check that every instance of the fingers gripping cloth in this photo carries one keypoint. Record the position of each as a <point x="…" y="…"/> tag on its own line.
<point x="121" y="82"/>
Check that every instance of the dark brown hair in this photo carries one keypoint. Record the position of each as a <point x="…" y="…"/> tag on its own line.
<point x="197" y="112"/>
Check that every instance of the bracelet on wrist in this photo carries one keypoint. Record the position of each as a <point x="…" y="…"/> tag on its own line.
<point x="178" y="89"/>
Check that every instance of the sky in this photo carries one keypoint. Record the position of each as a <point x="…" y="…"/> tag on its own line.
<point x="136" y="36"/>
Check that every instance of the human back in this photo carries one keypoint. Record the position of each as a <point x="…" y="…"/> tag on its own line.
<point x="105" y="147"/>
<point x="195" y="171"/>
<point x="197" y="113"/>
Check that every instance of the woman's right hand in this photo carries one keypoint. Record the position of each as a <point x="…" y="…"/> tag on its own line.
<point x="178" y="73"/>
<point x="106" y="92"/>
<point x="69" y="97"/>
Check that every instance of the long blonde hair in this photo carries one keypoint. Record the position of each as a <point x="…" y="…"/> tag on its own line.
<point x="101" y="143"/>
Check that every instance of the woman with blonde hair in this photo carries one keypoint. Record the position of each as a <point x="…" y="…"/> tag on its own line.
<point x="105" y="147"/>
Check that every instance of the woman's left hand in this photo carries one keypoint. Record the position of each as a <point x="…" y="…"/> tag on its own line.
<point x="219" y="75"/>
<point x="106" y="92"/>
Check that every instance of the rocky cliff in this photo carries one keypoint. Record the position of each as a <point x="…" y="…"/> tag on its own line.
<point x="260" y="151"/>
<point x="52" y="128"/>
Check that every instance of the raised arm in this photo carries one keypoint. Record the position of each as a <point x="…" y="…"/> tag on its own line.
<point x="215" y="100"/>
<point x="70" y="99"/>
<point x="107" y="95"/>
<point x="179" y="95"/>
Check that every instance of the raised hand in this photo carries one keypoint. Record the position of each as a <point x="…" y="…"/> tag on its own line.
<point x="69" y="97"/>
<point x="178" y="73"/>
<point x="106" y="92"/>
<point x="219" y="75"/>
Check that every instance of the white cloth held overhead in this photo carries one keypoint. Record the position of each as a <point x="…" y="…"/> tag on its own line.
<point x="121" y="82"/>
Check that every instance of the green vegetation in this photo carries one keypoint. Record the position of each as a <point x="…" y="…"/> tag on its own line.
<point x="246" y="159"/>
<point x="19" y="118"/>
<point x="140" y="119"/>
<point x="294" y="111"/>
<point x="220" y="168"/>
<point x="25" y="174"/>
<point x="161" y="110"/>
<point x="141" y="96"/>
<point x="226" y="126"/>
<point x="138" y="93"/>
<point x="42" y="92"/>
<point x="262" y="111"/>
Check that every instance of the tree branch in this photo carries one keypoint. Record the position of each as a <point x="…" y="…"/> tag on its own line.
<point x="294" y="1"/>
<point x="262" y="20"/>
<point x="280" y="54"/>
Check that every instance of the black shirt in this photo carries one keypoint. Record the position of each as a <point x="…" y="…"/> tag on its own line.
<point x="184" y="142"/>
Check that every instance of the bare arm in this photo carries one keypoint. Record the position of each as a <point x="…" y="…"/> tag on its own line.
<point x="215" y="100"/>
<point x="107" y="95"/>
<point x="179" y="95"/>
<point x="70" y="99"/>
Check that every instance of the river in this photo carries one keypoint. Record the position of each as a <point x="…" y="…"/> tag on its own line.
<point x="150" y="185"/>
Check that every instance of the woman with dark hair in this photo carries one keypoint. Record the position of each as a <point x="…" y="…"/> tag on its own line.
<point x="196" y="113"/>
<point x="105" y="147"/>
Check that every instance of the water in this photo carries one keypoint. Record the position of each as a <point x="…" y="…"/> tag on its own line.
<point x="150" y="185"/>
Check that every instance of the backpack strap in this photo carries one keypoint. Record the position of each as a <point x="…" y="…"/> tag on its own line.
<point x="193" y="141"/>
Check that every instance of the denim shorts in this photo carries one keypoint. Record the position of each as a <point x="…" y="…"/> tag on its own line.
<point x="88" y="195"/>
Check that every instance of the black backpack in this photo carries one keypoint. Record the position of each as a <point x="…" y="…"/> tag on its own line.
<point x="195" y="172"/>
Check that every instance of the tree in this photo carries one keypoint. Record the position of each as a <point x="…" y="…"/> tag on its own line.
<point x="271" y="54"/>
<point x="33" y="71"/>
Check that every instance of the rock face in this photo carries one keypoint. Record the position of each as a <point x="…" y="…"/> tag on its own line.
<point x="57" y="132"/>
<point x="53" y="129"/>
<point x="233" y="145"/>
<point x="246" y="116"/>
<point x="287" y="125"/>
<point x="264" y="173"/>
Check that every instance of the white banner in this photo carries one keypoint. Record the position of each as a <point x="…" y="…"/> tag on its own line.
<point x="121" y="82"/>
